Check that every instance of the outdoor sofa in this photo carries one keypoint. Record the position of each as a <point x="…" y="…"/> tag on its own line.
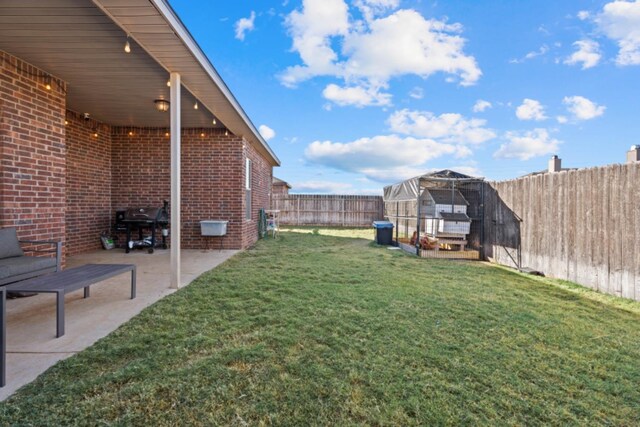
<point x="15" y="265"/>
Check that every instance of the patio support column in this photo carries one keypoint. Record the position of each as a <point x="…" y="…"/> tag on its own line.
<point x="175" y="179"/>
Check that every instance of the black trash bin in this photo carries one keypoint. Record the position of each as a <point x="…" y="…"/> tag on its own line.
<point x="384" y="232"/>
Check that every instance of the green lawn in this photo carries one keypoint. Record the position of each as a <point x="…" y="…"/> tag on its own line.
<point x="313" y="329"/>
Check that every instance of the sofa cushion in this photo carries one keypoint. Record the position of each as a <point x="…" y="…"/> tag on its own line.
<point x="15" y="266"/>
<point x="9" y="245"/>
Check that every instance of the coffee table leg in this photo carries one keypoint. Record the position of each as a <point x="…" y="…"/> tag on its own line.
<point x="59" y="313"/>
<point x="87" y="291"/>
<point x="133" y="283"/>
<point x="3" y="337"/>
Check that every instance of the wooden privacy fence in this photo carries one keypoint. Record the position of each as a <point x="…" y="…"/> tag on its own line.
<point x="579" y="225"/>
<point x="328" y="210"/>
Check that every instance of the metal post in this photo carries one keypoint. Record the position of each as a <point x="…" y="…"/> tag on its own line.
<point x="3" y="336"/>
<point x="175" y="180"/>
<point x="482" y="222"/>
<point x="453" y="196"/>
<point x="397" y="222"/>
<point x="418" y="221"/>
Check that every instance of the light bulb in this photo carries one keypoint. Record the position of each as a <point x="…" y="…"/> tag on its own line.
<point x="47" y="86"/>
<point x="226" y="132"/>
<point x="202" y="135"/>
<point x="195" y="106"/>
<point x="214" y="121"/>
<point x="168" y="83"/>
<point x="66" y="122"/>
<point x="127" y="46"/>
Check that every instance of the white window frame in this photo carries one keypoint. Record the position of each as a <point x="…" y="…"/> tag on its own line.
<point x="248" y="176"/>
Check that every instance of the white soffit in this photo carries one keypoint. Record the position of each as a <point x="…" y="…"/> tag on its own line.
<point x="154" y="25"/>
<point x="82" y="43"/>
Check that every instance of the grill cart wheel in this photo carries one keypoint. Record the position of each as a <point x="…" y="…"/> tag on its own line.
<point x="150" y="250"/>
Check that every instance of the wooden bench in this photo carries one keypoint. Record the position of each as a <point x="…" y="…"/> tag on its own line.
<point x="60" y="283"/>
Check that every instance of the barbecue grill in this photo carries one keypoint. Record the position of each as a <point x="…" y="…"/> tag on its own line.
<point x="141" y="219"/>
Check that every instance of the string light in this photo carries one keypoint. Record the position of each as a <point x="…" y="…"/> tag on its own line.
<point x="47" y="84"/>
<point x="168" y="83"/>
<point x="127" y="45"/>
<point x="195" y="106"/>
<point x="226" y="132"/>
<point x="202" y="135"/>
<point x="214" y="121"/>
<point x="166" y="134"/>
<point x="66" y="122"/>
<point x="130" y="133"/>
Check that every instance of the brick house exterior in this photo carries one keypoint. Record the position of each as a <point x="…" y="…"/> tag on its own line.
<point x="32" y="152"/>
<point x="63" y="176"/>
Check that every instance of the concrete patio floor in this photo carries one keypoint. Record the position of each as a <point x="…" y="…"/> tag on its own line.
<point x="32" y="346"/>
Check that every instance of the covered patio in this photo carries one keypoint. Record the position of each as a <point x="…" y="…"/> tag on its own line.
<point x="107" y="105"/>
<point x="32" y="346"/>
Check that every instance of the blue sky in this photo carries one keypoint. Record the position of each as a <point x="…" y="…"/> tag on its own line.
<point x="356" y="94"/>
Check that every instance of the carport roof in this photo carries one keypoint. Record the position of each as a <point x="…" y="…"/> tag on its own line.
<point x="82" y="43"/>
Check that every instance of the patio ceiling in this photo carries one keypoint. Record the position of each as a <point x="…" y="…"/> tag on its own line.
<point x="82" y="42"/>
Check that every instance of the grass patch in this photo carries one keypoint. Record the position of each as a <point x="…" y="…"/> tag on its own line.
<point x="352" y="233"/>
<point x="313" y="329"/>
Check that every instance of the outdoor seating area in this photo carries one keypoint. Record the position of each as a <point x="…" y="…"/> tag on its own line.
<point x="15" y="265"/>
<point x="31" y="343"/>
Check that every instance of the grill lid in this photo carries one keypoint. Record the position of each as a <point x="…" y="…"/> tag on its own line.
<point x="145" y="214"/>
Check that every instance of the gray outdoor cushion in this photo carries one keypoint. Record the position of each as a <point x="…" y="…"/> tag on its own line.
<point x="24" y="264"/>
<point x="9" y="245"/>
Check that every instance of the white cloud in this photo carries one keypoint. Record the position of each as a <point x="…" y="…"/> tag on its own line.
<point x="406" y="43"/>
<point x="583" y="14"/>
<point x="417" y="93"/>
<point x="379" y="157"/>
<point x="481" y="105"/>
<point x="376" y="50"/>
<point x="395" y="174"/>
<point x="467" y="170"/>
<point x="311" y="30"/>
<point x="449" y="128"/>
<point x="582" y="108"/>
<point x="530" y="109"/>
<point x="324" y="187"/>
<point x="526" y="145"/>
<point x="533" y="54"/>
<point x="373" y="8"/>
<point x="620" y="21"/>
<point x="244" y="25"/>
<point x="357" y="96"/>
<point x="587" y="54"/>
<point x="562" y="119"/>
<point x="266" y="132"/>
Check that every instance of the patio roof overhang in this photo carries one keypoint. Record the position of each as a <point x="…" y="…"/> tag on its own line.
<point x="82" y="43"/>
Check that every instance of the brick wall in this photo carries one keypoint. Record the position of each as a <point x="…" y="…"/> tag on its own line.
<point x="88" y="180"/>
<point x="262" y="176"/>
<point x="64" y="183"/>
<point x="212" y="180"/>
<point x="32" y="148"/>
